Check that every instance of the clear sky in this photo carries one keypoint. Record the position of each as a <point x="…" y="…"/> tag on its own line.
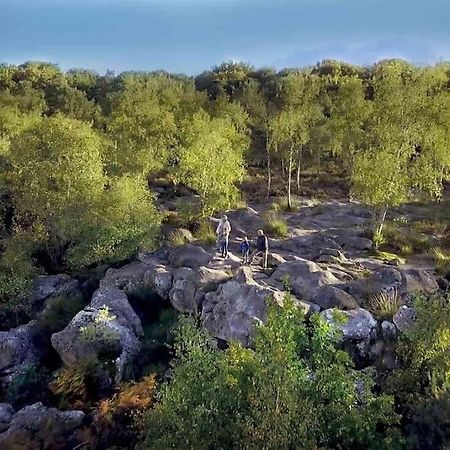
<point x="193" y="35"/>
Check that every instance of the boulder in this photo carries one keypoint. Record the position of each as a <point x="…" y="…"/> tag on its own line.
<point x="333" y="297"/>
<point x="404" y="318"/>
<point x="388" y="330"/>
<point x="245" y="221"/>
<point x="36" y="427"/>
<point x="305" y="278"/>
<point x="189" y="255"/>
<point x="48" y="286"/>
<point x="356" y="325"/>
<point x="132" y="278"/>
<point x="331" y="255"/>
<point x="107" y="326"/>
<point x="6" y="414"/>
<point x="417" y="281"/>
<point x="274" y="260"/>
<point x="18" y="350"/>
<point x="231" y="312"/>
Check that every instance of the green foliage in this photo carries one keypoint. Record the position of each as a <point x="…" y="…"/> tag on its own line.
<point x="206" y="233"/>
<point x="422" y="383"/>
<point x="385" y="304"/>
<point x="442" y="261"/>
<point x="294" y="390"/>
<point x="276" y="226"/>
<point x="210" y="161"/>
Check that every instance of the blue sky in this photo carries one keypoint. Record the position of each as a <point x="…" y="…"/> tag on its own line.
<point x="193" y="35"/>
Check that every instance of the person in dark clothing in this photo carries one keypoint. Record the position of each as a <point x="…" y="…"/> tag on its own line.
<point x="245" y="250"/>
<point x="262" y="247"/>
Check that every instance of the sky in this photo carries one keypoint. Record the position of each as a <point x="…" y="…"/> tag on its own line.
<point x="189" y="36"/>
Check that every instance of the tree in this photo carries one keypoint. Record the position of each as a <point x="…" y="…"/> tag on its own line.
<point x="211" y="160"/>
<point x="295" y="389"/>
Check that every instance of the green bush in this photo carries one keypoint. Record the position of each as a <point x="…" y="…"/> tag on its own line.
<point x="205" y="233"/>
<point x="295" y="389"/>
<point x="276" y="226"/>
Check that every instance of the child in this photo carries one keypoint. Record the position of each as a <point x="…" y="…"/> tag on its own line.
<point x="245" y="250"/>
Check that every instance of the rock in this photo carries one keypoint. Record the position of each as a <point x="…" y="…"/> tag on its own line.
<point x="18" y="350"/>
<point x="6" y="414"/>
<point x="189" y="255"/>
<point x="274" y="260"/>
<point x="231" y="312"/>
<point x="356" y="243"/>
<point x="305" y="277"/>
<point x="333" y="297"/>
<point x="36" y="427"/>
<point x="245" y="221"/>
<point x="93" y="332"/>
<point x="331" y="255"/>
<point x="388" y="330"/>
<point x="404" y="318"/>
<point x="48" y="286"/>
<point x="186" y="235"/>
<point x="417" y="280"/>
<point x="356" y="325"/>
<point x="132" y="278"/>
<point x="244" y="276"/>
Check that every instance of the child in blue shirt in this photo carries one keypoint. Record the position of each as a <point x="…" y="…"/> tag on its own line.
<point x="245" y="250"/>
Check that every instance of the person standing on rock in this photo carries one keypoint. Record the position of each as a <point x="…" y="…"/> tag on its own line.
<point x="223" y="232"/>
<point x="245" y="250"/>
<point x="262" y="247"/>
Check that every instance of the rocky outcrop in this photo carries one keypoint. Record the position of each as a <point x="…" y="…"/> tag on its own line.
<point x="107" y="326"/>
<point x="333" y="297"/>
<point x="404" y="318"/>
<point x="304" y="277"/>
<point x="50" y="286"/>
<point x="18" y="350"/>
<point x="6" y="414"/>
<point x="36" y="427"/>
<point x="189" y="255"/>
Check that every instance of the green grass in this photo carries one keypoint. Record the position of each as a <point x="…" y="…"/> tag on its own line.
<point x="388" y="257"/>
<point x="442" y="260"/>
<point x="384" y="305"/>
<point x="281" y="204"/>
<point x="206" y="233"/>
<point x="177" y="237"/>
<point x="276" y="226"/>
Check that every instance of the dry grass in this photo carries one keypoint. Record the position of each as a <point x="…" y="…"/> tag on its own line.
<point x="206" y="233"/>
<point x="442" y="260"/>
<point x="385" y="304"/>
<point x="276" y="226"/>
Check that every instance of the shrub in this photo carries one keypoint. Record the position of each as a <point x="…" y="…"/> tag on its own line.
<point x="177" y="237"/>
<point x="385" y="304"/>
<point x="378" y="239"/>
<point x="276" y="225"/>
<point x="442" y="261"/>
<point x="295" y="389"/>
<point x="206" y="233"/>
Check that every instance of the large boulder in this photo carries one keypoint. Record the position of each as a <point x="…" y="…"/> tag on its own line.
<point x="18" y="350"/>
<point x="36" y="427"/>
<point x="333" y="297"/>
<point x="137" y="276"/>
<point x="404" y="318"/>
<point x="189" y="255"/>
<point x="231" y="312"/>
<point x="50" y="286"/>
<point x="304" y="277"/>
<point x="6" y="414"/>
<point x="417" y="281"/>
<point x="107" y="326"/>
<point x="245" y="221"/>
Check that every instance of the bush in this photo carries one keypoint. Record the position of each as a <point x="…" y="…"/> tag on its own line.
<point x="295" y="389"/>
<point x="206" y="233"/>
<point x="385" y="305"/>
<point x="177" y="237"/>
<point x="442" y="261"/>
<point x="276" y="225"/>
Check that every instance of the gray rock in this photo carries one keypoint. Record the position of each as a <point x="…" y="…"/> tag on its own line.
<point x="404" y="318"/>
<point x="417" y="281"/>
<point x="47" y="286"/>
<point x="305" y="278"/>
<point x="356" y="325"/>
<point x="92" y="332"/>
<point x="274" y="260"/>
<point x="245" y="221"/>
<point x="189" y="255"/>
<point x="6" y="414"/>
<point x="333" y="297"/>
<point x="231" y="312"/>
<point x="388" y="330"/>
<point x="36" y="427"/>
<point x="18" y="350"/>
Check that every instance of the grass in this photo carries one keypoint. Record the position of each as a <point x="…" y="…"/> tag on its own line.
<point x="385" y="304"/>
<point x="442" y="260"/>
<point x="388" y="257"/>
<point x="276" y="226"/>
<point x="206" y="233"/>
<point x="177" y="237"/>
<point x="281" y="204"/>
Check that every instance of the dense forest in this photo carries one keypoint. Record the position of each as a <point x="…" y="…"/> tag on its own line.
<point x="79" y="156"/>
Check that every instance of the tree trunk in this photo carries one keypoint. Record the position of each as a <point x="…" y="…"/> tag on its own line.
<point x="299" y="164"/>
<point x="283" y="171"/>
<point x="381" y="220"/>
<point x="269" y="174"/>
<point x="289" y="202"/>
<point x="318" y="163"/>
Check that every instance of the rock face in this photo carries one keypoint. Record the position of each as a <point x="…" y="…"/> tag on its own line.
<point x="417" y="280"/>
<point x="305" y="277"/>
<point x="231" y="312"/>
<point x="6" y="414"/>
<point x="18" y="350"/>
<point x="107" y="325"/>
<point x="333" y="297"/>
<point x="36" y="426"/>
<point x="189" y="256"/>
<point x="404" y="318"/>
<point x="48" y="286"/>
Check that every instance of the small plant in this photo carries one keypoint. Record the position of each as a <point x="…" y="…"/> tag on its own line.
<point x="378" y="239"/>
<point x="286" y="282"/>
<point x="339" y="316"/>
<point x="205" y="233"/>
<point x="442" y="261"/>
<point x="100" y="330"/>
<point x="178" y="237"/>
<point x="385" y="304"/>
<point x="276" y="225"/>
